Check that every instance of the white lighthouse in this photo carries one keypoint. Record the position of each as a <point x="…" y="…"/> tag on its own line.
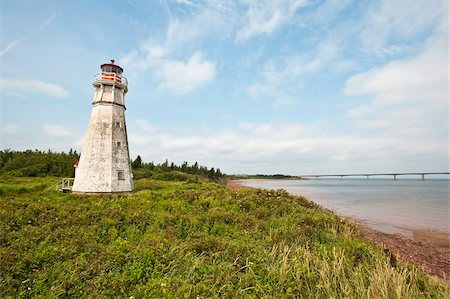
<point x="104" y="164"/>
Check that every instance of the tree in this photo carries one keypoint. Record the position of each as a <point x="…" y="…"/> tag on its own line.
<point x="211" y="173"/>
<point x="195" y="168"/>
<point x="137" y="163"/>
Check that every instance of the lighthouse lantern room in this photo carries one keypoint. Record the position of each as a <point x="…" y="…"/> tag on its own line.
<point x="104" y="164"/>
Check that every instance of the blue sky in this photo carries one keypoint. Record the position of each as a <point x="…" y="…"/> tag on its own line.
<point x="248" y="86"/>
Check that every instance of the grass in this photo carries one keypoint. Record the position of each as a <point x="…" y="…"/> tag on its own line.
<point x="183" y="239"/>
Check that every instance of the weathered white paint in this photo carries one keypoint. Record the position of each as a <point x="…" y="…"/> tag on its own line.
<point x="105" y="151"/>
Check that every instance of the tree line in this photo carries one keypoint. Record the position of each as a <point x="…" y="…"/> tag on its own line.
<point x="60" y="164"/>
<point x="139" y="167"/>
<point x="37" y="163"/>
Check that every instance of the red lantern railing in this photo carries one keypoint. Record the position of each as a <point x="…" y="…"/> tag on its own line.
<point x="107" y="77"/>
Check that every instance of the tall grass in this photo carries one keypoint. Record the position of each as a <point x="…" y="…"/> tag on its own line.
<point x="182" y="239"/>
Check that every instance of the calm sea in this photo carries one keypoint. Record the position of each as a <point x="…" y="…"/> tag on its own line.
<point x="384" y="204"/>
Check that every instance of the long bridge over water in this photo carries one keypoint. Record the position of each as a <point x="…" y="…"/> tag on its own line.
<point x="423" y="174"/>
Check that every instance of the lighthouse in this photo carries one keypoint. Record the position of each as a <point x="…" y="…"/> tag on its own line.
<point x="104" y="165"/>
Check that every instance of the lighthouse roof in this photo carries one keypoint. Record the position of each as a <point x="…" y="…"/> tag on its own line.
<point x="112" y="65"/>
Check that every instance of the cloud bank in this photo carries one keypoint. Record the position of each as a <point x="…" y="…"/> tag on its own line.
<point x="27" y="87"/>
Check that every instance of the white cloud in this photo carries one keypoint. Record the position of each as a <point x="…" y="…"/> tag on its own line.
<point x="409" y="97"/>
<point x="49" y="136"/>
<point x="184" y="2"/>
<point x="58" y="137"/>
<point x="278" y="77"/>
<point x="226" y="117"/>
<point x="9" y="129"/>
<point x="325" y="13"/>
<point x="265" y="17"/>
<point x="409" y="100"/>
<point x="176" y="75"/>
<point x="208" y="21"/>
<point x="24" y="87"/>
<point x="284" y="101"/>
<point x="179" y="77"/>
<point x="403" y="128"/>
<point x="180" y="36"/>
<point x="281" y="147"/>
<point x="57" y="131"/>
<point x="388" y="21"/>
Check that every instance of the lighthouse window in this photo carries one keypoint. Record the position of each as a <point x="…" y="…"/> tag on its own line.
<point x="119" y="143"/>
<point x="118" y="124"/>
<point x="120" y="175"/>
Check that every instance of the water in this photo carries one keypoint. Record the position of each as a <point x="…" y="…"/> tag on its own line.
<point x="384" y="204"/>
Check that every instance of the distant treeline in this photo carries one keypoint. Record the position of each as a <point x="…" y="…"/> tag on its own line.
<point x="37" y="163"/>
<point x="168" y="169"/>
<point x="263" y="176"/>
<point x="60" y="164"/>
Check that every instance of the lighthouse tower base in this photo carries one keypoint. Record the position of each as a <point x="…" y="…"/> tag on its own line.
<point x="104" y="163"/>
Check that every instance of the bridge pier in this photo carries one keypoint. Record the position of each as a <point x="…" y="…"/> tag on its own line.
<point x="395" y="177"/>
<point x="423" y="177"/>
<point x="367" y="176"/>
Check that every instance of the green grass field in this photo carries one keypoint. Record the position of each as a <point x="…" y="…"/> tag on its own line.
<point x="182" y="239"/>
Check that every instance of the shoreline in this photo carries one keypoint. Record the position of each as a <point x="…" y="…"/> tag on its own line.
<point x="428" y="250"/>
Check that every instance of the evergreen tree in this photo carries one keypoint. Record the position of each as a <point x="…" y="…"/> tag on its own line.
<point x="211" y="173"/>
<point x="137" y="163"/>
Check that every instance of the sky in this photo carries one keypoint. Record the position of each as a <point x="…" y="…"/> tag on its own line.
<point x="248" y="86"/>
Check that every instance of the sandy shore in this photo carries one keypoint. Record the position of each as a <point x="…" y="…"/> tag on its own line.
<point x="440" y="239"/>
<point x="428" y="250"/>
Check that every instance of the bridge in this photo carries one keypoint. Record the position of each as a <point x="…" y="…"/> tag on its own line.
<point x="423" y="174"/>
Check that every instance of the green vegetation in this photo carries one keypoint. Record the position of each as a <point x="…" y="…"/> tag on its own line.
<point x="40" y="164"/>
<point x="170" y="171"/>
<point x="37" y="163"/>
<point x="179" y="239"/>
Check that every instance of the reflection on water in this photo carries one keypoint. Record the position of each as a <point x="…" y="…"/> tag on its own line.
<point x="384" y="204"/>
